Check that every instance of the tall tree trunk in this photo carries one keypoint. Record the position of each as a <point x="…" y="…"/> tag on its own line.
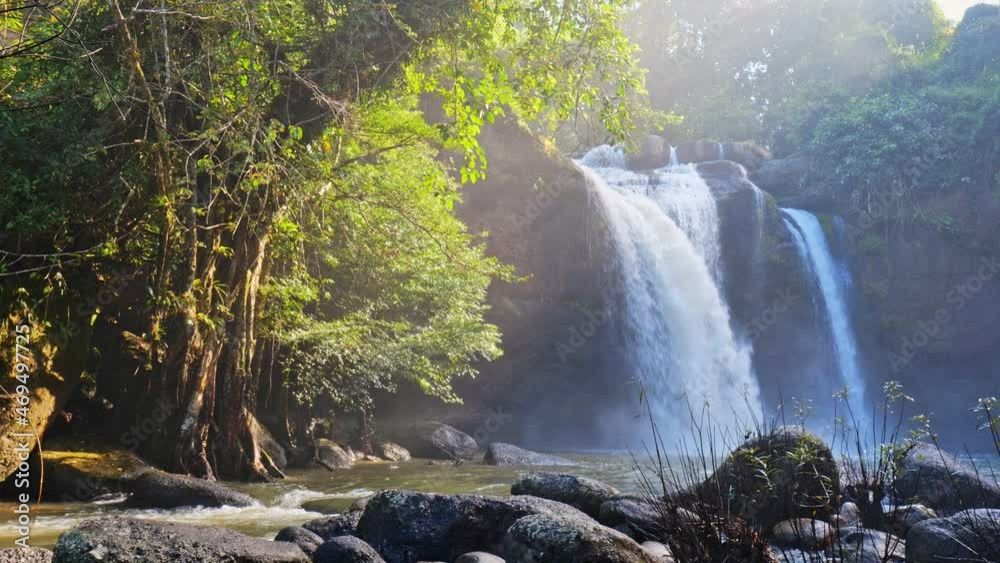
<point x="239" y="454"/>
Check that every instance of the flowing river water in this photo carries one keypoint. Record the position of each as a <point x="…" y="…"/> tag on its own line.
<point x="321" y="491"/>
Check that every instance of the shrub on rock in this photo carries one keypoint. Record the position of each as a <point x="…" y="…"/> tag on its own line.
<point x="787" y="473"/>
<point x="581" y="492"/>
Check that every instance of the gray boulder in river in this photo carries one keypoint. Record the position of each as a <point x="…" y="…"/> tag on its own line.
<point x="966" y="537"/>
<point x="498" y="453"/>
<point x="125" y="540"/>
<point x="434" y="440"/>
<point x="159" y="489"/>
<point x="942" y="482"/>
<point x="543" y="538"/>
<point x="581" y="492"/>
<point x="407" y="526"/>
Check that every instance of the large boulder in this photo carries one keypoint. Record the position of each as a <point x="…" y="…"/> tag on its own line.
<point x="543" y="538"/>
<point x="346" y="549"/>
<point x="801" y="481"/>
<point x="942" y="482"/>
<point x="25" y="555"/>
<point x="972" y="535"/>
<point x="581" y="492"/>
<point x="307" y="541"/>
<point x="434" y="440"/>
<point x="498" y="453"/>
<point x="159" y="489"/>
<point x="653" y="153"/>
<point x="391" y="451"/>
<point x="641" y="518"/>
<point x="693" y="152"/>
<point x="344" y="524"/>
<point x="407" y="526"/>
<point x="126" y="540"/>
<point x="747" y="153"/>
<point x="82" y="476"/>
<point x="872" y="546"/>
<point x="901" y="518"/>
<point x="783" y="177"/>
<point x="333" y="456"/>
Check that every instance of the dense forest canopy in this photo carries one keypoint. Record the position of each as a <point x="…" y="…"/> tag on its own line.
<point x="254" y="185"/>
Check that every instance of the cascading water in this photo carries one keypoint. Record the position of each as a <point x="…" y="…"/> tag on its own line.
<point x="812" y="246"/>
<point x="676" y="324"/>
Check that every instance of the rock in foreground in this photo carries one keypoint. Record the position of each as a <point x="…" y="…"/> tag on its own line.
<point x="872" y="546"/>
<point x="346" y="549"/>
<point x="640" y="517"/>
<point x="802" y="480"/>
<point x="558" y="539"/>
<point x="942" y="482"/>
<point x="406" y="526"/>
<point x="158" y="489"/>
<point x="972" y="535"/>
<point x="125" y="540"/>
<point x="307" y="541"/>
<point x="498" y="453"/>
<point x="581" y="492"/>
<point x="25" y="555"/>
<point x="803" y="533"/>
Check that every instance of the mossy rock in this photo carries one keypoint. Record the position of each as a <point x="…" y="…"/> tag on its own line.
<point x="784" y="474"/>
<point x="73" y="474"/>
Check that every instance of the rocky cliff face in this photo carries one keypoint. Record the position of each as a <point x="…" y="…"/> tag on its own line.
<point x="927" y="289"/>
<point x="560" y="378"/>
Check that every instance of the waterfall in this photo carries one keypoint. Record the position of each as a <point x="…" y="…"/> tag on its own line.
<point x="674" y="161"/>
<point x="814" y="250"/>
<point x="675" y="322"/>
<point x="722" y="151"/>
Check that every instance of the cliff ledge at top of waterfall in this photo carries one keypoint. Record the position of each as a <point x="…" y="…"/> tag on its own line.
<point x="655" y="152"/>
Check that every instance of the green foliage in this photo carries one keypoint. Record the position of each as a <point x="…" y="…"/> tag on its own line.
<point x="378" y="280"/>
<point x="755" y="70"/>
<point x="548" y="60"/>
